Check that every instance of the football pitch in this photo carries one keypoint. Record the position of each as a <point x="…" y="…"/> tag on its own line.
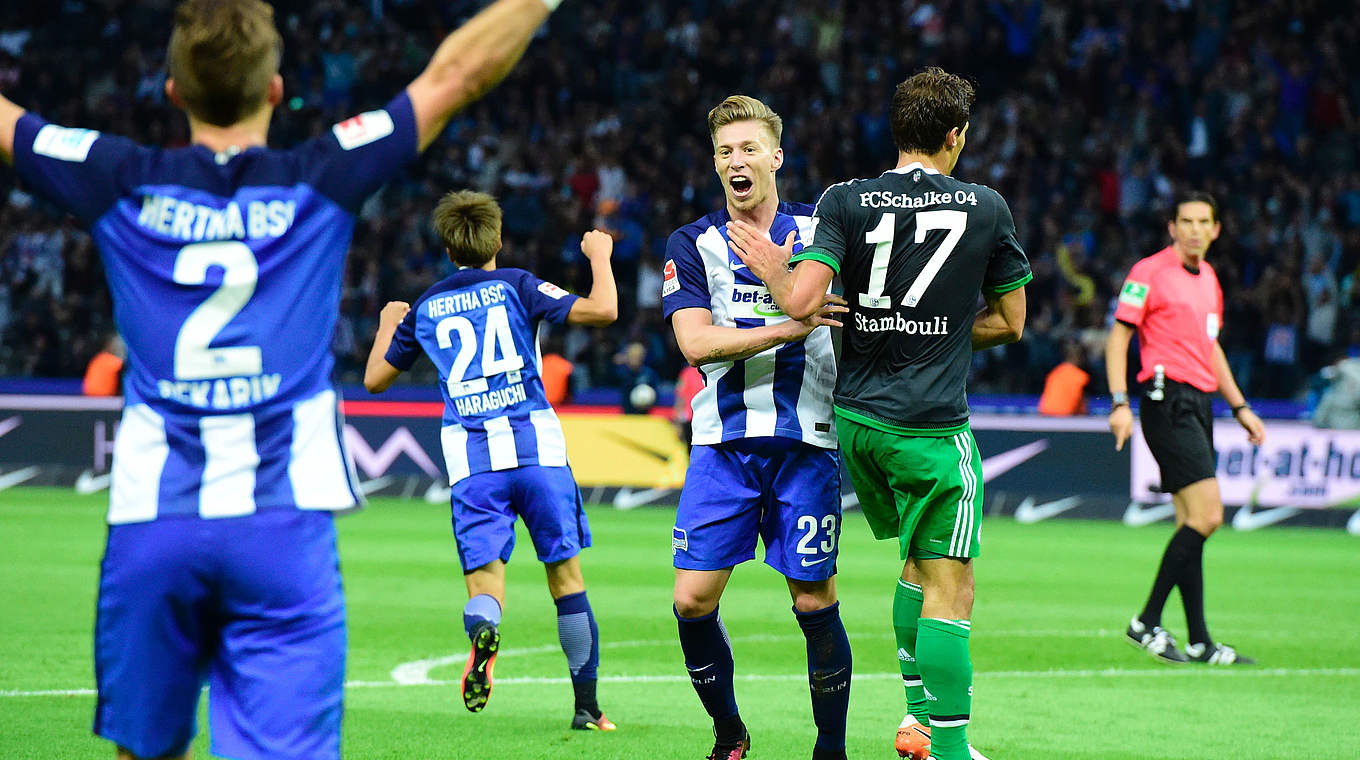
<point x="1054" y="678"/>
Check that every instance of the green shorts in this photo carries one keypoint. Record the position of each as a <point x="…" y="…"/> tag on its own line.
<point x="924" y="491"/>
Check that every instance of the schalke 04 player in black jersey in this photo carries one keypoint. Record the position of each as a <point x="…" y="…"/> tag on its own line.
<point x="914" y="248"/>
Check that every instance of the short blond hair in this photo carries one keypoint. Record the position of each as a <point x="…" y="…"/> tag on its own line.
<point x="744" y="108"/>
<point x="223" y="55"/>
<point x="469" y="225"/>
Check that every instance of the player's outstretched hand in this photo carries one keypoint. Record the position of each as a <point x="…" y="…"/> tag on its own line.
<point x="393" y="313"/>
<point x="765" y="259"/>
<point x="597" y="244"/>
<point x="1256" y="429"/>
<point x="1121" y="424"/>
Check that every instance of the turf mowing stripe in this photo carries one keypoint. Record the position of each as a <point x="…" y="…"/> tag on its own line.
<point x="1194" y="672"/>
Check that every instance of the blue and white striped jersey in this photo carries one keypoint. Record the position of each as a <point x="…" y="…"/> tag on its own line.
<point x="480" y="330"/>
<point x="782" y="392"/>
<point x="225" y="271"/>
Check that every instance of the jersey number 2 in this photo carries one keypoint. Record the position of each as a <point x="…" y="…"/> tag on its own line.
<point x="881" y="238"/>
<point x="194" y="360"/>
<point x="499" y="340"/>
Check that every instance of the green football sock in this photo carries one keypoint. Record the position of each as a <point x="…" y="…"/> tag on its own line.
<point x="942" y="654"/>
<point x="906" y="609"/>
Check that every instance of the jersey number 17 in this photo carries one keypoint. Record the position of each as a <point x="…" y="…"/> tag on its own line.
<point x="881" y="238"/>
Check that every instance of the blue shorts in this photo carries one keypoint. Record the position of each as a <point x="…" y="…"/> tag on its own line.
<point x="786" y="491"/>
<point x="485" y="506"/>
<point x="250" y="605"/>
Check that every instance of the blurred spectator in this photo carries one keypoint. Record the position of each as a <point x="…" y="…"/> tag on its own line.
<point x="1088" y="115"/>
<point x="1065" y="387"/>
<point x="104" y="372"/>
<point x="687" y="386"/>
<point x="1339" y="407"/>
<point x="637" y="381"/>
<point x="556" y="373"/>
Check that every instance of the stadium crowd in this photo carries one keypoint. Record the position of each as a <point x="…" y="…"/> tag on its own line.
<point x="1089" y="114"/>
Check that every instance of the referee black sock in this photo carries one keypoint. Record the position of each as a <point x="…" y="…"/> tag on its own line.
<point x="1192" y="590"/>
<point x="1185" y="544"/>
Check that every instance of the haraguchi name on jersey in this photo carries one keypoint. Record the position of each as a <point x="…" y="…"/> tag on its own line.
<point x="227" y="393"/>
<point x="889" y="199"/>
<point x="192" y="222"/>
<point x="464" y="300"/>
<point x="895" y="323"/>
<point x="490" y="401"/>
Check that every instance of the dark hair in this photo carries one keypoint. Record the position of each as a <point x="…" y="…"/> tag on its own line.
<point x="222" y="56"/>
<point x="926" y="106"/>
<point x="1194" y="196"/>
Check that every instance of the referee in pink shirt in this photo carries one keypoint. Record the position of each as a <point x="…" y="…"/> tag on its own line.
<point x="1173" y="300"/>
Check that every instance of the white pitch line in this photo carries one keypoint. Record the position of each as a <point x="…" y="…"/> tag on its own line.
<point x="1164" y="672"/>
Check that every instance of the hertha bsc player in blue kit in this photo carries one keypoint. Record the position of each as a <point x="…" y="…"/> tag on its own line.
<point x="764" y="461"/>
<point x="503" y="444"/>
<point x="916" y="250"/>
<point x="225" y="260"/>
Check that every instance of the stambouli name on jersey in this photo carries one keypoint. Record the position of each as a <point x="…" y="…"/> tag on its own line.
<point x="895" y="323"/>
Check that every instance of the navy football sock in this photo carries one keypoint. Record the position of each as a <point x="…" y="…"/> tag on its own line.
<point x="478" y="608"/>
<point x="708" y="658"/>
<point x="829" y="667"/>
<point x="580" y="639"/>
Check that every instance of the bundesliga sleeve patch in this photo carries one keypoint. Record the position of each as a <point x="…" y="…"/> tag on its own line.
<point x="1134" y="294"/>
<point x="64" y="143"/>
<point x="552" y="291"/>
<point x="670" y="281"/>
<point x="358" y="131"/>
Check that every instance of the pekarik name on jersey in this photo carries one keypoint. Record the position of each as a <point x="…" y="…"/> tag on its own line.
<point x="895" y="323"/>
<point x="223" y="393"/>
<point x="195" y="222"/>
<point x="889" y="199"/>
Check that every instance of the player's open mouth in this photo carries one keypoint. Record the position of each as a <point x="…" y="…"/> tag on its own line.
<point x="741" y="186"/>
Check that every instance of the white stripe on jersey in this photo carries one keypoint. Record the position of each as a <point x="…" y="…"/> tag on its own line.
<point x="320" y="471"/>
<point x="814" y="405"/>
<point x="500" y="442"/>
<point x="139" y="454"/>
<point x="453" y="439"/>
<point x="758" y="397"/>
<point x="230" y="459"/>
<point x="706" y="425"/>
<point x="552" y="444"/>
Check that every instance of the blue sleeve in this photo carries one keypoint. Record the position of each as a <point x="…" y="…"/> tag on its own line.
<point x="360" y="154"/>
<point x="405" y="349"/>
<point x="80" y="170"/>
<point x="544" y="300"/>
<point x="684" y="283"/>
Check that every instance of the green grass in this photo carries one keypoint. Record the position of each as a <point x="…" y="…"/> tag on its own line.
<point x="1054" y="679"/>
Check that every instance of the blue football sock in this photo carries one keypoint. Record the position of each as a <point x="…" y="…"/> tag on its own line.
<point x="580" y="639"/>
<point x="478" y="608"/>
<point x="708" y="657"/>
<point x="829" y="668"/>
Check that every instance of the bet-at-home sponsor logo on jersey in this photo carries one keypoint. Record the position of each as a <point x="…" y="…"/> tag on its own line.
<point x="1134" y="294"/>
<point x="753" y="302"/>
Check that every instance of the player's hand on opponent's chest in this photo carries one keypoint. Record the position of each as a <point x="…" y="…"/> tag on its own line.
<point x="760" y="254"/>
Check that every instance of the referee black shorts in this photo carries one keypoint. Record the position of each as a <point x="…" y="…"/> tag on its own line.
<point x="1179" y="430"/>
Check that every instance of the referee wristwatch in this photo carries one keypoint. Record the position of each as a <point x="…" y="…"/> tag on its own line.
<point x="1118" y="399"/>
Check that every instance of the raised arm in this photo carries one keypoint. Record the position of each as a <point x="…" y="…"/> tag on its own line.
<point x="1001" y="320"/>
<point x="601" y="307"/>
<point x="9" y="120"/>
<point x="379" y="375"/>
<point x="472" y="60"/>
